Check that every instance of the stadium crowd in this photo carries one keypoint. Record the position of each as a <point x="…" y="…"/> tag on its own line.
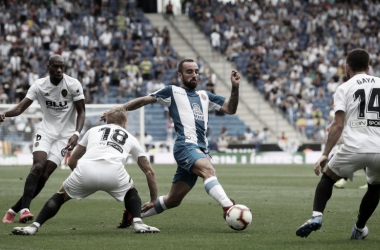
<point x="293" y="51"/>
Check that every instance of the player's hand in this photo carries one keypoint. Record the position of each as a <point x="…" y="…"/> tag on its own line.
<point x="72" y="142"/>
<point x="148" y="206"/>
<point x="2" y="117"/>
<point x="235" y="78"/>
<point x="103" y="117"/>
<point x="320" y="164"/>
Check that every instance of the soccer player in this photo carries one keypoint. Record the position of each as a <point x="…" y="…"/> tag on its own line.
<point x="189" y="110"/>
<point x="102" y="152"/>
<point x="356" y="116"/>
<point x="62" y="103"/>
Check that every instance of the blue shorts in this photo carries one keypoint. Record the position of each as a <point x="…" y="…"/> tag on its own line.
<point x="186" y="155"/>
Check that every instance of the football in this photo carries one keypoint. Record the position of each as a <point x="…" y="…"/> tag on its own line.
<point x="239" y="217"/>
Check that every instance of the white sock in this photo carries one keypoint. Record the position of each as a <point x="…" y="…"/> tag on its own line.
<point x="12" y="211"/>
<point x="215" y="190"/>
<point x="360" y="229"/>
<point x="38" y="225"/>
<point x="137" y="220"/>
<point x="23" y="210"/>
<point x="157" y="209"/>
<point x="315" y="213"/>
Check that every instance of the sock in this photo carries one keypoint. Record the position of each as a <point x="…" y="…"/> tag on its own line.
<point x="137" y="220"/>
<point x="23" y="210"/>
<point x="18" y="206"/>
<point x="323" y="193"/>
<point x="132" y="203"/>
<point x="50" y="209"/>
<point x="12" y="211"/>
<point x="36" y="224"/>
<point x="157" y="209"/>
<point x="315" y="213"/>
<point x="29" y="188"/>
<point x="215" y="190"/>
<point x="368" y="205"/>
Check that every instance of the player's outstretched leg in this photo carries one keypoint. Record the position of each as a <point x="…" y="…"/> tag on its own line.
<point x="216" y="191"/>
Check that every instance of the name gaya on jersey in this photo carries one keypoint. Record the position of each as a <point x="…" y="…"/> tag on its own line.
<point x="182" y="103"/>
<point x="57" y="104"/>
<point x="359" y="98"/>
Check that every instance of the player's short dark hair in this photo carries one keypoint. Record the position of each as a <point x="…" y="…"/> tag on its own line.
<point x="117" y="115"/>
<point x="180" y="65"/>
<point x="358" y="60"/>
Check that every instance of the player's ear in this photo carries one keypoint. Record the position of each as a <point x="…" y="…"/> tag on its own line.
<point x="180" y="75"/>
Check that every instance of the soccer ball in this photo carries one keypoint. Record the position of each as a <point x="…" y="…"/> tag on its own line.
<point x="238" y="217"/>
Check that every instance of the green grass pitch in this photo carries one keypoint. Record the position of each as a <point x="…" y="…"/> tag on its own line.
<point x="280" y="197"/>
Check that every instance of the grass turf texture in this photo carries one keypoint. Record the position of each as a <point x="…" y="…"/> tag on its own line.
<point x="280" y="197"/>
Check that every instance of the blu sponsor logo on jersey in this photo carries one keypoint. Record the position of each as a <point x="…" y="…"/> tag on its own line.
<point x="197" y="112"/>
<point x="57" y="106"/>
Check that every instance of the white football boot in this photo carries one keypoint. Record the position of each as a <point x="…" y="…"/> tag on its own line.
<point x="29" y="230"/>
<point x="140" y="227"/>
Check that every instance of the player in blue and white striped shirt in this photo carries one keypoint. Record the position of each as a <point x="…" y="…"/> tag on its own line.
<point x="189" y="110"/>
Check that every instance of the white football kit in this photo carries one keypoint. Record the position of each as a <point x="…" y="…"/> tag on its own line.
<point x="59" y="121"/>
<point x="359" y="98"/>
<point x="102" y="166"/>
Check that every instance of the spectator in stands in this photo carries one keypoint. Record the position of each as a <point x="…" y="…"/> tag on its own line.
<point x="145" y="67"/>
<point x="169" y="10"/>
<point x="215" y="43"/>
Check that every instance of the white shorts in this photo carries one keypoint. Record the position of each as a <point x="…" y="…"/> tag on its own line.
<point x="91" y="176"/>
<point x="345" y="163"/>
<point x="52" y="146"/>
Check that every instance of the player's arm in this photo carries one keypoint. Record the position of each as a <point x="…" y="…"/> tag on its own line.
<point x="230" y="105"/>
<point x="333" y="137"/>
<point x="81" y="115"/>
<point x="78" y="152"/>
<point x="17" y="110"/>
<point x="135" y="104"/>
<point x="145" y="166"/>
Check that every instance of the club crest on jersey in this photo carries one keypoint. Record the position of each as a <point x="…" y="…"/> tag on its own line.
<point x="64" y="92"/>
<point x="203" y="97"/>
<point x="198" y="115"/>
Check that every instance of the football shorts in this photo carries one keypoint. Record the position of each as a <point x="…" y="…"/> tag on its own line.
<point x="92" y="176"/>
<point x="186" y="155"/>
<point x="54" y="148"/>
<point x="345" y="163"/>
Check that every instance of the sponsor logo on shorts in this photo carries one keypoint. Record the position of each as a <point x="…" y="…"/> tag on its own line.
<point x="36" y="144"/>
<point x="63" y="152"/>
<point x="365" y="123"/>
<point x="38" y="137"/>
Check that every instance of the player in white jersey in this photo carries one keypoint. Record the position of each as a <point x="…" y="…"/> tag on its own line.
<point x="62" y="103"/>
<point x="357" y="116"/>
<point x="102" y="153"/>
<point x="189" y="110"/>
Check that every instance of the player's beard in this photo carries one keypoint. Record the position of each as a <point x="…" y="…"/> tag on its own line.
<point x="192" y="84"/>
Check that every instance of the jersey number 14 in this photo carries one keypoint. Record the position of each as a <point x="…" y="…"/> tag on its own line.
<point x="372" y="105"/>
